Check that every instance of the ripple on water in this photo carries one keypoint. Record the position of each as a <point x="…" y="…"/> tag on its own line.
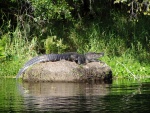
<point x="73" y="97"/>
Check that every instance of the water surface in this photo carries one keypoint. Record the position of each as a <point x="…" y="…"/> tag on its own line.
<point x="120" y="96"/>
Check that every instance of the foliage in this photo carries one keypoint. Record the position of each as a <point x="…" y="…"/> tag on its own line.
<point x="3" y="44"/>
<point x="53" y="45"/>
<point x="136" y="7"/>
<point x="20" y="46"/>
<point x="50" y="9"/>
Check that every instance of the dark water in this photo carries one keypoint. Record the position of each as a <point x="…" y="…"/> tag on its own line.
<point x="122" y="96"/>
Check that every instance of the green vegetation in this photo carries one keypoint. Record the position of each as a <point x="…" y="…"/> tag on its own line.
<point x="48" y="26"/>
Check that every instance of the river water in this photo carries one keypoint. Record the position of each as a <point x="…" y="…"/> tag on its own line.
<point x="121" y="96"/>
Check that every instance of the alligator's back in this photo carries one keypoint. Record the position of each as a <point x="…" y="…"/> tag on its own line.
<point x="46" y="58"/>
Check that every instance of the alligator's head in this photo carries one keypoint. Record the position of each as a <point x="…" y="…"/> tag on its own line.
<point x="93" y="55"/>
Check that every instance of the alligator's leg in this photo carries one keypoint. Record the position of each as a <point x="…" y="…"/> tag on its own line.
<point x="81" y="59"/>
<point x="74" y="58"/>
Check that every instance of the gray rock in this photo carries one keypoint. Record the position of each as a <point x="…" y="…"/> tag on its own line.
<point x="66" y="71"/>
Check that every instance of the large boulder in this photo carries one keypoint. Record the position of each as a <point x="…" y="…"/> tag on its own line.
<point x="66" y="71"/>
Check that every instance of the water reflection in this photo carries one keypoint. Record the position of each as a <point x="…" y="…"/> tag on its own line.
<point x="121" y="96"/>
<point x="61" y="96"/>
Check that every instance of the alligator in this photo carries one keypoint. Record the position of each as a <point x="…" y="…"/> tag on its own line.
<point x="70" y="56"/>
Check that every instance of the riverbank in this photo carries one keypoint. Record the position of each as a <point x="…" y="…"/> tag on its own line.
<point x="122" y="67"/>
<point x="127" y="56"/>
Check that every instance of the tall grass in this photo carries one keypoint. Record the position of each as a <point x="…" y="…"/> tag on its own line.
<point x="17" y="51"/>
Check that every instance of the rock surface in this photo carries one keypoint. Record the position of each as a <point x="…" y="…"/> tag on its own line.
<point x="66" y="71"/>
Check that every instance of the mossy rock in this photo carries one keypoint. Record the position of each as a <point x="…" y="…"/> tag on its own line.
<point x="66" y="71"/>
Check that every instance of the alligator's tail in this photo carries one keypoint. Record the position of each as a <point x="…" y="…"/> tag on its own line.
<point x="31" y="62"/>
